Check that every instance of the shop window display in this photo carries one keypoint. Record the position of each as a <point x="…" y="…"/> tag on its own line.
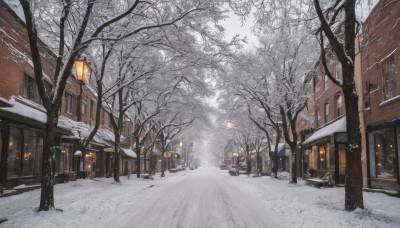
<point x="385" y="156"/>
<point x="28" y="153"/>
<point x="322" y="158"/>
<point x="14" y="152"/>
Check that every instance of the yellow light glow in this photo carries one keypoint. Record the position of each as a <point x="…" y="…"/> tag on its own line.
<point x="82" y="70"/>
<point x="11" y="143"/>
<point x="390" y="146"/>
<point x="379" y="164"/>
<point x="229" y="125"/>
<point x="180" y="144"/>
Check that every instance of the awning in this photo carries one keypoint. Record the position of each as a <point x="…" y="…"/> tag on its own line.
<point x="109" y="149"/>
<point x="335" y="127"/>
<point x="281" y="152"/>
<point x="129" y="153"/>
<point x="156" y="152"/>
<point x="78" y="153"/>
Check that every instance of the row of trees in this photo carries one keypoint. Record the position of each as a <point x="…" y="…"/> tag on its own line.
<point x="272" y="84"/>
<point x="149" y="64"/>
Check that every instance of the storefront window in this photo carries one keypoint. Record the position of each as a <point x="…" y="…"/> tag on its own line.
<point x="39" y="153"/>
<point x="342" y="159"/>
<point x="28" y="153"/>
<point x="14" y="152"/>
<point x="62" y="160"/>
<point x="314" y="157"/>
<point x="322" y="158"/>
<point x="385" y="156"/>
<point x="90" y="160"/>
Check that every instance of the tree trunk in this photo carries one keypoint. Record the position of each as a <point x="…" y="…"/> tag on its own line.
<point x="162" y="165"/>
<point x="259" y="167"/>
<point x="248" y="162"/>
<point x="116" y="157"/>
<point x="47" y="179"/>
<point x="137" y="148"/>
<point x="353" y="189"/>
<point x="293" y="148"/>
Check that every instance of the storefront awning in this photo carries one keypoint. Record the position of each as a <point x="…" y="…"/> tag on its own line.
<point x="109" y="150"/>
<point x="129" y="153"/>
<point x="330" y="129"/>
<point x="156" y="152"/>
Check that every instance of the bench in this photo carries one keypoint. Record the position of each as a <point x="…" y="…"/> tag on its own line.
<point x="318" y="182"/>
<point x="145" y="176"/>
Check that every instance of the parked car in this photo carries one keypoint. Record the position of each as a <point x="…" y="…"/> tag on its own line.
<point x="173" y="170"/>
<point x="242" y="165"/>
<point x="233" y="170"/>
<point x="223" y="167"/>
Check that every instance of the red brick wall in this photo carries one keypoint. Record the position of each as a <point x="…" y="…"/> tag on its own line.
<point x="15" y="61"/>
<point x="380" y="37"/>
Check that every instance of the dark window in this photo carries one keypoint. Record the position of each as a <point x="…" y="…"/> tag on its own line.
<point x="29" y="87"/>
<point x="91" y="108"/>
<point x="338" y="71"/>
<point x="389" y="82"/>
<point x="68" y="103"/>
<point x="83" y="106"/>
<point x="109" y="122"/>
<point x="326" y="109"/>
<point x="338" y="105"/>
<point x="102" y="117"/>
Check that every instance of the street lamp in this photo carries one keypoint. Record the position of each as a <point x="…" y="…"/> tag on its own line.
<point x="82" y="70"/>
<point x="229" y="125"/>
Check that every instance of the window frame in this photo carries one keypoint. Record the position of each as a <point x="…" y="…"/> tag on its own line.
<point x="68" y="103"/>
<point x="84" y="106"/>
<point x="326" y="112"/>
<point x="338" y="110"/>
<point x="387" y="71"/>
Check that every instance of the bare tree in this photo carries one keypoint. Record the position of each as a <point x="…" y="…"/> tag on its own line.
<point x="344" y="49"/>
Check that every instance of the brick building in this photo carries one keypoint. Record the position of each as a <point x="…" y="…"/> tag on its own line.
<point x="381" y="91"/>
<point x="22" y="117"/>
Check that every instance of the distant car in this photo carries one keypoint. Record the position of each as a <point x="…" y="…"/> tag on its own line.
<point x="223" y="167"/>
<point x="242" y="166"/>
<point x="173" y="170"/>
<point x="233" y="170"/>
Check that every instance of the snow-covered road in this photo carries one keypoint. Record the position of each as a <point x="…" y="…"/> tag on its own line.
<point x="202" y="198"/>
<point x="206" y="197"/>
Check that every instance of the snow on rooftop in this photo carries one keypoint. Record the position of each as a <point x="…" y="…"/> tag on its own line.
<point x="337" y="126"/>
<point x="129" y="153"/>
<point x="31" y="110"/>
<point x="78" y="153"/>
<point x="15" y="5"/>
<point x="24" y="110"/>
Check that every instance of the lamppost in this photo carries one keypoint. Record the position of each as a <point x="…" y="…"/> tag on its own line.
<point x="82" y="70"/>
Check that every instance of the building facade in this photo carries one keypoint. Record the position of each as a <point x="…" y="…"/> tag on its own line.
<point x="23" y="118"/>
<point x="381" y="94"/>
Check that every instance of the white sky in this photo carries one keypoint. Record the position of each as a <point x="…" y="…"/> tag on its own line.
<point x="233" y="26"/>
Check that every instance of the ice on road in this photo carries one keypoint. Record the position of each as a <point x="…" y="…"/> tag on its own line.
<point x="202" y="198"/>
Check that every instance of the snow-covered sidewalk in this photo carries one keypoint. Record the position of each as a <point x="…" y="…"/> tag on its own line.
<point x="85" y="203"/>
<point x="301" y="205"/>
<point x="206" y="197"/>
